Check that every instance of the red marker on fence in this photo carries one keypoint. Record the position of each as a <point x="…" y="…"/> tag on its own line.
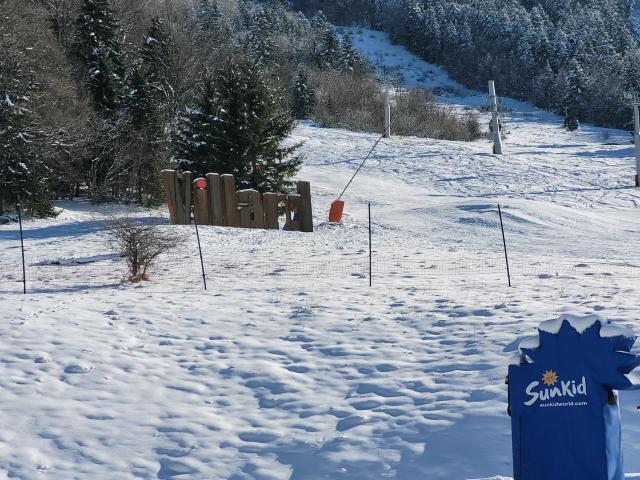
<point x="200" y="183"/>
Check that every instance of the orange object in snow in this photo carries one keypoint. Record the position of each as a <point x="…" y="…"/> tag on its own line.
<point x="335" y="214"/>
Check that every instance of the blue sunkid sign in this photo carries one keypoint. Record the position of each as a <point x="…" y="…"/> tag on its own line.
<point x="564" y="413"/>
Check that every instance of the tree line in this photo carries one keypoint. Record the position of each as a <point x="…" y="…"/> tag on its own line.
<point x="98" y="96"/>
<point x="577" y="57"/>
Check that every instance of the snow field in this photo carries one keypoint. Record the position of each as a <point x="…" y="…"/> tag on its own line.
<point x="290" y="366"/>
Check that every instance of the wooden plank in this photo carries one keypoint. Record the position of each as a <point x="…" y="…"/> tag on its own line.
<point x="244" y="213"/>
<point x="306" y="212"/>
<point x="183" y="198"/>
<point x="270" y="207"/>
<point x="169" y="182"/>
<point x="229" y="200"/>
<point x="292" y="207"/>
<point x="216" y="204"/>
<point x="201" y="206"/>
<point x="251" y="214"/>
<point x="258" y="210"/>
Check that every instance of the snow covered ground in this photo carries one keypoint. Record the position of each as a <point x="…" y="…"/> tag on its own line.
<point x="290" y="366"/>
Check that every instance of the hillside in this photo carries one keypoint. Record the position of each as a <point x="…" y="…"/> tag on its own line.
<point x="290" y="366"/>
<point x="579" y="56"/>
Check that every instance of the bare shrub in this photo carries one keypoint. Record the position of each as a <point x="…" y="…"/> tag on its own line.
<point x="348" y="101"/>
<point x="140" y="244"/>
<point x="417" y="114"/>
<point x="357" y="103"/>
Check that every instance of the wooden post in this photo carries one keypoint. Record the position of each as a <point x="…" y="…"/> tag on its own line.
<point x="201" y="211"/>
<point x="169" y="181"/>
<point x="495" y="121"/>
<point x="270" y="207"/>
<point x="250" y="210"/>
<point x="387" y="113"/>
<point x="305" y="211"/>
<point x="183" y="189"/>
<point x="216" y="204"/>
<point x="292" y="205"/>
<point x="229" y="200"/>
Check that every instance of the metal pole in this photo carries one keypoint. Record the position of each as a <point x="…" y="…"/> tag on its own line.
<point x="504" y="242"/>
<point x="204" y="275"/>
<point x="497" y="138"/>
<point x="24" y="268"/>
<point x="636" y="135"/>
<point x="370" y="254"/>
<point x="387" y="113"/>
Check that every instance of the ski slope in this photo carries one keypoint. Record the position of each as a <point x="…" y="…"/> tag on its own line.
<point x="290" y="366"/>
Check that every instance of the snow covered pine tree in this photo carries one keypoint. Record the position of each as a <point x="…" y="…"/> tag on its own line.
<point x="237" y="126"/>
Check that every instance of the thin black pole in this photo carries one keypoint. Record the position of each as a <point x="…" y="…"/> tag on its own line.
<point x="504" y="242"/>
<point x="370" y="261"/>
<point x="24" y="267"/>
<point x="204" y="275"/>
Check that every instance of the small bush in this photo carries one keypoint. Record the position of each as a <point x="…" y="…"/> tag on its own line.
<point x="416" y="114"/>
<point x="140" y="244"/>
<point x="352" y="102"/>
<point x="356" y="103"/>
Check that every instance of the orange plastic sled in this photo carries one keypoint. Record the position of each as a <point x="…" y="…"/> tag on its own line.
<point x="335" y="214"/>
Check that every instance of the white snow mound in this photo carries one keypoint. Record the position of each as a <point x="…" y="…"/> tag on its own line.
<point x="580" y="324"/>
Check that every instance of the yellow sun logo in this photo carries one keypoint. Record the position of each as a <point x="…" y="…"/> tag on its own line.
<point x="550" y="377"/>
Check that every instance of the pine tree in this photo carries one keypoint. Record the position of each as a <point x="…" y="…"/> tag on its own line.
<point x="209" y="20"/>
<point x="98" y="44"/>
<point x="350" y="60"/>
<point x="328" y="51"/>
<point x="259" y="43"/>
<point x="24" y="175"/>
<point x="195" y="143"/>
<point x="574" y="88"/>
<point x="319" y="22"/>
<point x="348" y="53"/>
<point x="303" y="95"/>
<point x="543" y="87"/>
<point x="237" y="127"/>
<point x="149" y="102"/>
<point x="327" y="45"/>
<point x="253" y="126"/>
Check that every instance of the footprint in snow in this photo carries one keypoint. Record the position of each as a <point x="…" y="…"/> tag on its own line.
<point x="43" y="359"/>
<point x="481" y="396"/>
<point x="366" y="404"/>
<point x="173" y="468"/>
<point x="297" y="369"/>
<point x="349" y="423"/>
<point x="386" y="367"/>
<point x="257" y="437"/>
<point x="78" y="369"/>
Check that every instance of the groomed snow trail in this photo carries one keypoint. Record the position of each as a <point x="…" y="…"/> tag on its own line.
<point x="286" y="372"/>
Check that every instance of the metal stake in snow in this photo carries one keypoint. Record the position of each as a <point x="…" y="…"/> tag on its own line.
<point x="370" y="260"/>
<point x="504" y="243"/>
<point x="495" y="122"/>
<point x="204" y="275"/>
<point x="636" y="135"/>
<point x="24" y="268"/>
<point x="387" y="113"/>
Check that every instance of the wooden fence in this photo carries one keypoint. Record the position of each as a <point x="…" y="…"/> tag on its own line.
<point x="216" y="202"/>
